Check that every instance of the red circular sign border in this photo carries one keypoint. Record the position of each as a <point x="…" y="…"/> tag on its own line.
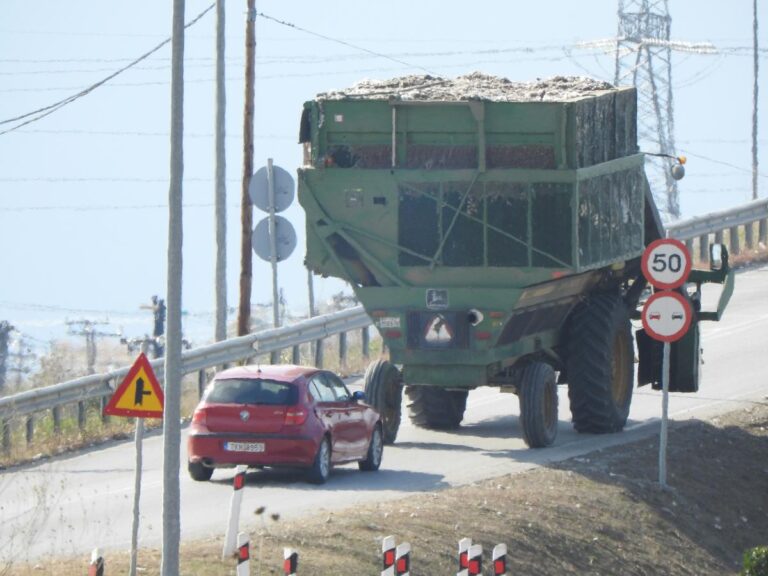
<point x="688" y="316"/>
<point x="647" y="254"/>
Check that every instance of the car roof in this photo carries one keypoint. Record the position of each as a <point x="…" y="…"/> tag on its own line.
<point x="280" y="372"/>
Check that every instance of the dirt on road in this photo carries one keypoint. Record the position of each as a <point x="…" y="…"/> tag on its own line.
<point x="599" y="514"/>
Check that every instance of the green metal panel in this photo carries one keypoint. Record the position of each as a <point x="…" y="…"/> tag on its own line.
<point x="496" y="217"/>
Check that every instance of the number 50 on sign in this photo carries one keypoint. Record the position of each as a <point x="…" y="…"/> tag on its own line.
<point x="666" y="263"/>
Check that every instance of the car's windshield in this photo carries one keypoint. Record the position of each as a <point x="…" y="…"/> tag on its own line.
<point x="251" y="391"/>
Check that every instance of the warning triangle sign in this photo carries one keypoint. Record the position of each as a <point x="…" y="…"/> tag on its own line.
<point x="139" y="394"/>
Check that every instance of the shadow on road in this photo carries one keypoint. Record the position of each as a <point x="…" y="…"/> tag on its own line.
<point x="346" y="477"/>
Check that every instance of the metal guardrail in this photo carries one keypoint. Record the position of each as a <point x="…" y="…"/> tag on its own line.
<point x="314" y="329"/>
<point x="718" y="221"/>
<point x="220" y="353"/>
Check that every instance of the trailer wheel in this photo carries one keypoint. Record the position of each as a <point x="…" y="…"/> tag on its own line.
<point x="538" y="405"/>
<point x="435" y="407"/>
<point x="600" y="361"/>
<point x="383" y="391"/>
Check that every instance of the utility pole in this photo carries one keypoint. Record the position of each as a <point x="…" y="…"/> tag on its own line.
<point x="762" y="230"/>
<point x="88" y="329"/>
<point x="169" y="564"/>
<point x="21" y="356"/>
<point x="221" y="174"/>
<point x="5" y="330"/>
<point x="756" y="57"/>
<point x="246" y="217"/>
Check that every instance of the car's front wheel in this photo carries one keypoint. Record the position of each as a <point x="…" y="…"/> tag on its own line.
<point x="198" y="472"/>
<point x="375" y="450"/>
<point x="321" y="467"/>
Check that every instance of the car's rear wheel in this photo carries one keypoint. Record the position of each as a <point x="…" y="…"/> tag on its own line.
<point x="375" y="450"/>
<point x="198" y="472"/>
<point x="321" y="467"/>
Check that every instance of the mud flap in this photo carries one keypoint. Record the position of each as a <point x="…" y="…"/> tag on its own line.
<point x="684" y="360"/>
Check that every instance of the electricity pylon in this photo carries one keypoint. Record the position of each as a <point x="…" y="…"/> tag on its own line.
<point x="644" y="60"/>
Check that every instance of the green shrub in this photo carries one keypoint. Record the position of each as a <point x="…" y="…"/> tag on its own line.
<point x="756" y="562"/>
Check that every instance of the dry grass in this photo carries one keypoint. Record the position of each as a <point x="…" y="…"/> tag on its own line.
<point x="603" y="513"/>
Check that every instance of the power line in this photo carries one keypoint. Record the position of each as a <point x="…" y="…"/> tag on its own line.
<point x="342" y="42"/>
<point x="739" y="168"/>
<point x="41" y="113"/>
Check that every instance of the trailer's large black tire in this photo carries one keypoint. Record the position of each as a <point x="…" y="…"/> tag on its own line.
<point x="538" y="405"/>
<point x="384" y="391"/>
<point x="600" y="364"/>
<point x="435" y="407"/>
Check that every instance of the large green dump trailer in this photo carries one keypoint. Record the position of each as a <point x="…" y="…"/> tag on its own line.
<point x="493" y="232"/>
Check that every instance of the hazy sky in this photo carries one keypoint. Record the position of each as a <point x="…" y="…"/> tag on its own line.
<point x="83" y="192"/>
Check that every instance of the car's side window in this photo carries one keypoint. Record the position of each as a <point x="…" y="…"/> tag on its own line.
<point x="339" y="389"/>
<point x="320" y="389"/>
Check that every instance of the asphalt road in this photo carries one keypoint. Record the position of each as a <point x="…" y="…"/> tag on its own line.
<point x="69" y="505"/>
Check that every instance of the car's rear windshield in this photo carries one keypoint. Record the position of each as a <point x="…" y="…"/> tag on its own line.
<point x="251" y="391"/>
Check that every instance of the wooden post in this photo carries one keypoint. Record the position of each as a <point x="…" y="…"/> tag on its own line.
<point x="296" y="355"/>
<point x="735" y="247"/>
<point x="30" y="428"/>
<point x="366" y="343"/>
<point x="704" y="248"/>
<point x="749" y="235"/>
<point x="202" y="378"/>
<point x="342" y="351"/>
<point x="246" y="214"/>
<point x="56" y="413"/>
<point x="82" y="414"/>
<point x="319" y="353"/>
<point x="6" y="436"/>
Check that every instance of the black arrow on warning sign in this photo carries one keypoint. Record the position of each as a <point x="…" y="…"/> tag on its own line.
<point x="138" y="398"/>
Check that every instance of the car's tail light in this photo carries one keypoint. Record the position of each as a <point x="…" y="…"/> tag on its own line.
<point x="295" y="416"/>
<point x="199" y="420"/>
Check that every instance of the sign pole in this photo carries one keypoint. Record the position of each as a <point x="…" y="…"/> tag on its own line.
<point x="664" y="416"/>
<point x="139" y="395"/>
<point x="139" y="441"/>
<point x="136" y="495"/>
<point x="273" y="242"/>
<point x="666" y="316"/>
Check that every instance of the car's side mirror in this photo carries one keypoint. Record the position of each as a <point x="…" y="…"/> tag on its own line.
<point x="358" y="396"/>
<point x="716" y="256"/>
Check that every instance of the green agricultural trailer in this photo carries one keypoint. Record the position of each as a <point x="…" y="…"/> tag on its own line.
<point x="493" y="232"/>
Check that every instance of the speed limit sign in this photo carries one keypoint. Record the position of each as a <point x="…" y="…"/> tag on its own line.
<point x="666" y="263"/>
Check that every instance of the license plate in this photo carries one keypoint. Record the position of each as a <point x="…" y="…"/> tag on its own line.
<point x="244" y="446"/>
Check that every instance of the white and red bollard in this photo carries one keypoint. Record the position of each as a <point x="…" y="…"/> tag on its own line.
<point x="388" y="553"/>
<point x="243" y="555"/>
<point x="500" y="560"/>
<point x="464" y="545"/>
<point x="230" y="536"/>
<point x="96" y="567"/>
<point x="397" y="560"/>
<point x="403" y="559"/>
<point x="475" y="560"/>
<point x="290" y="562"/>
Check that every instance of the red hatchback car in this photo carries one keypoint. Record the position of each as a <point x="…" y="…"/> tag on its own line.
<point x="282" y="415"/>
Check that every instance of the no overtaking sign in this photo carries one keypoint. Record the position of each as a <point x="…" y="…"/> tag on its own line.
<point x="666" y="315"/>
